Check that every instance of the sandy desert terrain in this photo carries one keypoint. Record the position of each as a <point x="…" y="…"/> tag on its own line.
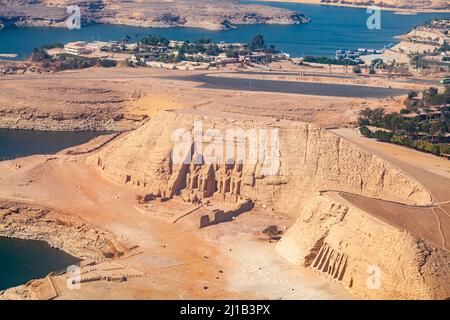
<point x="345" y="204"/>
<point x="100" y="188"/>
<point x="123" y="98"/>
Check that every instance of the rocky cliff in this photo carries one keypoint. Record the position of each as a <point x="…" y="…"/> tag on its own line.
<point x="310" y="159"/>
<point x="342" y="241"/>
<point x="371" y="258"/>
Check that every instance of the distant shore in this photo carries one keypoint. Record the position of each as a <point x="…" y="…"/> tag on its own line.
<point x="8" y="55"/>
<point x="397" y="10"/>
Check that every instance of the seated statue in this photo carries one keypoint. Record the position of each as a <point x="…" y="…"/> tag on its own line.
<point x="236" y="178"/>
<point x="192" y="178"/>
<point x="205" y="176"/>
<point x="222" y="179"/>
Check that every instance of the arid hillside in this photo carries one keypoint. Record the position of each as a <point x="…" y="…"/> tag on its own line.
<point x="311" y="159"/>
<point x="348" y="239"/>
<point x="209" y="14"/>
<point x="354" y="210"/>
<point x="363" y="223"/>
<point x="408" y="5"/>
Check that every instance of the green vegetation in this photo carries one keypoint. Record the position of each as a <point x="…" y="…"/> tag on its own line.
<point x="170" y="58"/>
<point x="326" y="60"/>
<point x="199" y="48"/>
<point x="421" y="145"/>
<point x="157" y="41"/>
<point x="107" y="63"/>
<point x="39" y="55"/>
<point x="356" y="69"/>
<point x="257" y="43"/>
<point x="426" y="126"/>
<point x="445" y="47"/>
<point x="202" y="50"/>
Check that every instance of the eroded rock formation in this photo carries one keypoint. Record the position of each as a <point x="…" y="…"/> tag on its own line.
<point x="371" y="258"/>
<point x="65" y="232"/>
<point x="344" y="242"/>
<point x="310" y="159"/>
<point x="385" y="224"/>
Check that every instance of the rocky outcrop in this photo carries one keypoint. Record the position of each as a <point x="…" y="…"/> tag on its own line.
<point x="89" y="120"/>
<point x="58" y="106"/>
<point x="209" y="14"/>
<point x="343" y="242"/>
<point x="26" y="15"/>
<point x="64" y="232"/>
<point x="310" y="158"/>
<point x="372" y="259"/>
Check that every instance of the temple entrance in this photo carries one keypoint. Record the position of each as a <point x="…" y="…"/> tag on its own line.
<point x="218" y="182"/>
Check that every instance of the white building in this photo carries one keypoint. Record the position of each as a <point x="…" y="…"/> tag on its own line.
<point x="77" y="48"/>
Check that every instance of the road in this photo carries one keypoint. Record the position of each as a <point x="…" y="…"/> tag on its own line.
<point x="211" y="81"/>
<point x="292" y="87"/>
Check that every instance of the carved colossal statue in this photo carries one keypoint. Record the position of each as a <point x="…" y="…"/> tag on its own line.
<point x="223" y="175"/>
<point x="236" y="178"/>
<point x="205" y="176"/>
<point x="192" y="178"/>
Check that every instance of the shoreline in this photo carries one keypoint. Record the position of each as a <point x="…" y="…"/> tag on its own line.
<point x="66" y="232"/>
<point x="51" y="225"/>
<point x="317" y="2"/>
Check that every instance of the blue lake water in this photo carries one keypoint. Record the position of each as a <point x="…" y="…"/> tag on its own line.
<point x="20" y="143"/>
<point x="23" y="260"/>
<point x="331" y="28"/>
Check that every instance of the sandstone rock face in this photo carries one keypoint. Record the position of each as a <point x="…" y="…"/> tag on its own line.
<point x="370" y="258"/>
<point x="61" y="106"/>
<point x="310" y="159"/>
<point x="330" y="235"/>
<point x="67" y="233"/>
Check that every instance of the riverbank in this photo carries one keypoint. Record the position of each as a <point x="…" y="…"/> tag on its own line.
<point x="23" y="260"/>
<point x="329" y="25"/>
<point x="66" y="232"/>
<point x="347" y="4"/>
